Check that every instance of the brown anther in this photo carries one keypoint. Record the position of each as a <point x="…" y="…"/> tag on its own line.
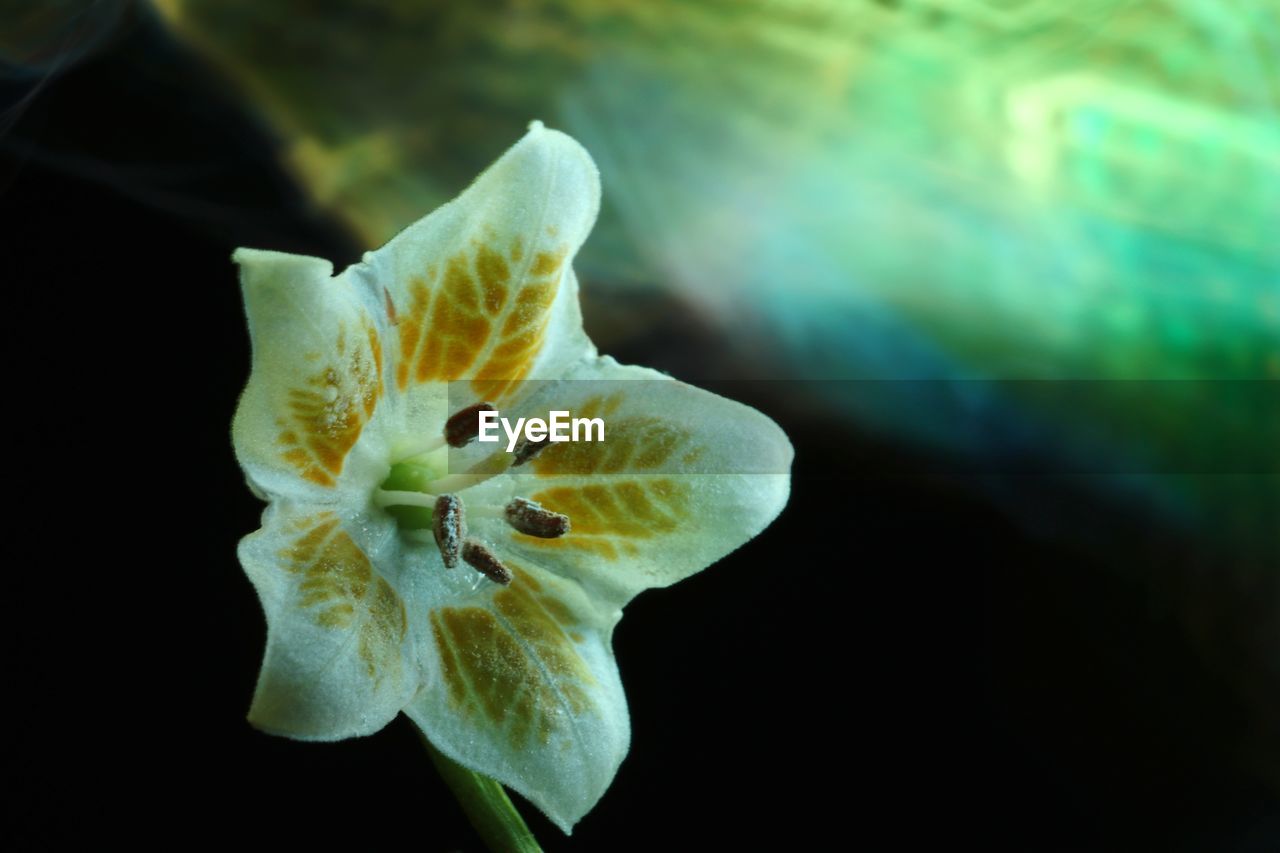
<point x="450" y="526"/>
<point x="529" y="517"/>
<point x="483" y="561"/>
<point x="526" y="450"/>
<point x="463" y="428"/>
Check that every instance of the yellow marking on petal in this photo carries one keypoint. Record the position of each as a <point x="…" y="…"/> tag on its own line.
<point x="520" y="339"/>
<point x="316" y="530"/>
<point x="479" y="317"/>
<point x="633" y="445"/>
<point x="487" y="673"/>
<point x="556" y="609"/>
<point x="375" y="347"/>
<point x="601" y="547"/>
<point x="494" y="274"/>
<point x="692" y="456"/>
<point x="390" y="307"/>
<point x="628" y="508"/>
<point x="340" y="585"/>
<point x="456" y="330"/>
<point x="533" y="622"/>
<point x="522" y="675"/>
<point x="513" y="350"/>
<point x="338" y="616"/>
<point x="548" y="263"/>
<point x="450" y="666"/>
<point x="533" y="300"/>
<point x="410" y="329"/>
<point x="607" y="515"/>
<point x="328" y="411"/>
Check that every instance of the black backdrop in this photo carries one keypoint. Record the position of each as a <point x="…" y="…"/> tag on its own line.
<point x="895" y="661"/>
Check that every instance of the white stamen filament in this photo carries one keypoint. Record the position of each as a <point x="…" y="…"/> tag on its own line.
<point x="422" y="448"/>
<point x="392" y="497"/>
<point x="458" y="482"/>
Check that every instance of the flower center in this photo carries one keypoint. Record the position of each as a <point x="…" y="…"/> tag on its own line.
<point x="424" y="499"/>
<point x="413" y="477"/>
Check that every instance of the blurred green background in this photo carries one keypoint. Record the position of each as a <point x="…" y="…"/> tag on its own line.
<point x="1007" y="270"/>
<point x="998" y="192"/>
<point x="1041" y="189"/>
<point x="1028" y="235"/>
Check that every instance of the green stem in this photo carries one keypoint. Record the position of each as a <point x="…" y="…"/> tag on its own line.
<point x="487" y="806"/>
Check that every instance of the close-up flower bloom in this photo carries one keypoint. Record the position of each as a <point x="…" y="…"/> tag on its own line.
<point x="960" y="339"/>
<point x="402" y="568"/>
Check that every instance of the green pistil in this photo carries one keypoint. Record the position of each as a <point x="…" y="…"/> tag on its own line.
<point x="411" y="477"/>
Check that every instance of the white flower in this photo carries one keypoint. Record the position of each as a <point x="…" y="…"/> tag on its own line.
<point x="503" y="660"/>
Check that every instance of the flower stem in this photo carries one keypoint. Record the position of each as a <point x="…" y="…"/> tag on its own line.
<point x="487" y="806"/>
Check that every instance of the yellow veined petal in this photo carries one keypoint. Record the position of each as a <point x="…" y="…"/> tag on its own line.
<point x="528" y="691"/>
<point x="316" y="382"/>
<point x="340" y="659"/>
<point x="682" y="478"/>
<point x="481" y="289"/>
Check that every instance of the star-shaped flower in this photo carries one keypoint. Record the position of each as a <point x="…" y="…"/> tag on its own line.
<point x="474" y="589"/>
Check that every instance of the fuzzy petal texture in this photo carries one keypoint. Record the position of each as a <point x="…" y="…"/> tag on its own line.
<point x="528" y="691"/>
<point x="341" y="659"/>
<point x="683" y="478"/>
<point x="316" y="381"/>
<point x="341" y="427"/>
<point x="482" y="288"/>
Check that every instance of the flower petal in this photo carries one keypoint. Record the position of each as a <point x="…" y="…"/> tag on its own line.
<point x="682" y="478"/>
<point x="340" y="659"/>
<point x="316" y="379"/>
<point x="481" y="288"/>
<point x="528" y="691"/>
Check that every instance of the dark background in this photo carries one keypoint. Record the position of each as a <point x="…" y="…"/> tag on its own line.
<point x="895" y="661"/>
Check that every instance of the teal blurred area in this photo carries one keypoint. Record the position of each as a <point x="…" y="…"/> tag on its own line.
<point x="981" y="191"/>
<point x="1006" y="272"/>
<point x="960" y="200"/>
<point x="894" y="190"/>
<point x="1039" y="197"/>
